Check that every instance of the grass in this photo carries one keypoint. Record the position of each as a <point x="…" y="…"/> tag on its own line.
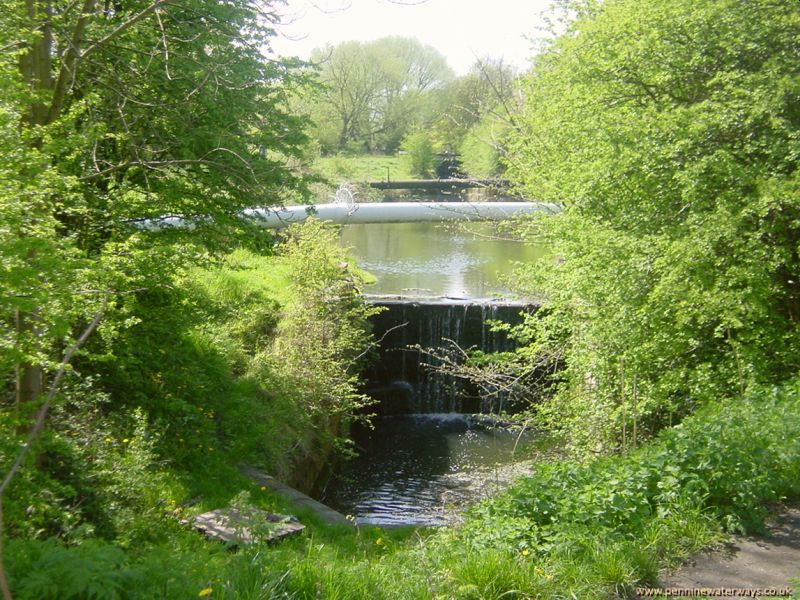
<point x="244" y="276"/>
<point x="362" y="168"/>
<point x="587" y="531"/>
<point x="189" y="405"/>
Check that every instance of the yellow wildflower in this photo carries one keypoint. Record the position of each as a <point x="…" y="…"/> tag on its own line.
<point x="205" y="592"/>
<point x="379" y="542"/>
<point x="525" y="552"/>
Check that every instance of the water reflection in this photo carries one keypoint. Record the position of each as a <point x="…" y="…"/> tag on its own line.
<point x="430" y="259"/>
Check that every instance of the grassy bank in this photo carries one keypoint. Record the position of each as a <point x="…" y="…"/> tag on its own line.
<point x="364" y="167"/>
<point x="250" y="358"/>
<point x="588" y="530"/>
<point x="355" y="171"/>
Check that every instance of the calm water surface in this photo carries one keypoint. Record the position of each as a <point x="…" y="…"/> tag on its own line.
<point x="432" y="259"/>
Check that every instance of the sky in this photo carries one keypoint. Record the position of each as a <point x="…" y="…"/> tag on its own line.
<point x="462" y="30"/>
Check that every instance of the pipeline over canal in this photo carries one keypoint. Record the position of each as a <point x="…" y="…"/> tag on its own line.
<point x="384" y="212"/>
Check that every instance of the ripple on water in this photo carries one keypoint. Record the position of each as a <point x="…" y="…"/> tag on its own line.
<point x="423" y="469"/>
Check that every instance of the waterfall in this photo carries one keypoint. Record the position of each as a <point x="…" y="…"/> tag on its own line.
<point x="398" y="379"/>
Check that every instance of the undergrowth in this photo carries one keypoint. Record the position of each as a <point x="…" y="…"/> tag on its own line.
<point x="582" y="530"/>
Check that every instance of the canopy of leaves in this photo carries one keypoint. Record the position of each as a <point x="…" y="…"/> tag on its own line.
<point x="489" y="93"/>
<point x="371" y="92"/>
<point x="121" y="111"/>
<point x="669" y="130"/>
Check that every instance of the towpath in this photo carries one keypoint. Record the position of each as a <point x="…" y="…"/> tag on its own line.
<point x="771" y="560"/>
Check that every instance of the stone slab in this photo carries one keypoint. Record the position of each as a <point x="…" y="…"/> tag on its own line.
<point x="246" y="526"/>
<point x="297" y="498"/>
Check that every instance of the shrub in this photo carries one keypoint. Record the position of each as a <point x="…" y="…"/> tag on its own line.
<point x="729" y="458"/>
<point x="420" y="154"/>
<point x="673" y="157"/>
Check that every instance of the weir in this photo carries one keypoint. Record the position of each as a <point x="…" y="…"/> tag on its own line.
<point x="459" y="183"/>
<point x="400" y="380"/>
<point x="426" y="455"/>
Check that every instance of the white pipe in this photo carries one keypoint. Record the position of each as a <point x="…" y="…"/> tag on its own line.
<point x="397" y="212"/>
<point x="379" y="212"/>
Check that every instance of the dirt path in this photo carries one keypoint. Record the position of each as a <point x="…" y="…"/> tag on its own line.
<point x="767" y="561"/>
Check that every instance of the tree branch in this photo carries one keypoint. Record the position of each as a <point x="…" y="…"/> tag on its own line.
<point x="123" y="27"/>
<point x="41" y="417"/>
<point x="66" y="74"/>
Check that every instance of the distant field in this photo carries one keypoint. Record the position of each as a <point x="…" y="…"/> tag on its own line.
<point x="367" y="167"/>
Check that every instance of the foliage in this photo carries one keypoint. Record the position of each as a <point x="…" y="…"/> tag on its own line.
<point x="90" y="571"/>
<point x="490" y="91"/>
<point x="729" y="458"/>
<point x="603" y="526"/>
<point x="484" y="147"/>
<point x="668" y="131"/>
<point x="591" y="530"/>
<point x="325" y="331"/>
<point x="420" y="154"/>
<point x="370" y="92"/>
<point x="247" y="358"/>
<point x="113" y="114"/>
<point x="362" y="167"/>
<point x="209" y="374"/>
<point x="478" y="106"/>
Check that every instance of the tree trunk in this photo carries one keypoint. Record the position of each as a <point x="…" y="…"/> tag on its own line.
<point x="30" y="377"/>
<point x="35" y="66"/>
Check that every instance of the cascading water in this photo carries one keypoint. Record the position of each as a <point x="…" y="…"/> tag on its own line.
<point x="425" y="457"/>
<point x="399" y="379"/>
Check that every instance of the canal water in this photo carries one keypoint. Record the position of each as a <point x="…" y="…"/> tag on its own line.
<point x="429" y="259"/>
<point x="416" y="464"/>
<point x="425" y="469"/>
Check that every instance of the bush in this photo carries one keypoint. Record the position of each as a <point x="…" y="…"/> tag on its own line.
<point x="420" y="154"/>
<point x="673" y="156"/>
<point x="727" y="460"/>
<point x="483" y="147"/>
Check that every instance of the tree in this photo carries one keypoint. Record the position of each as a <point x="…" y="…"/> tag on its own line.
<point x="668" y="130"/>
<point x="112" y="113"/>
<point x="490" y="91"/>
<point x="121" y="112"/>
<point x="474" y="113"/>
<point x="420" y="154"/>
<point x="370" y="91"/>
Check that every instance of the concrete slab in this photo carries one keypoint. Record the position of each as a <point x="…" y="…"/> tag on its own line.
<point x="297" y="498"/>
<point x="244" y="527"/>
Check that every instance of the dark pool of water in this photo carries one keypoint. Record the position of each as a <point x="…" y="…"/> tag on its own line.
<point x="423" y="469"/>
